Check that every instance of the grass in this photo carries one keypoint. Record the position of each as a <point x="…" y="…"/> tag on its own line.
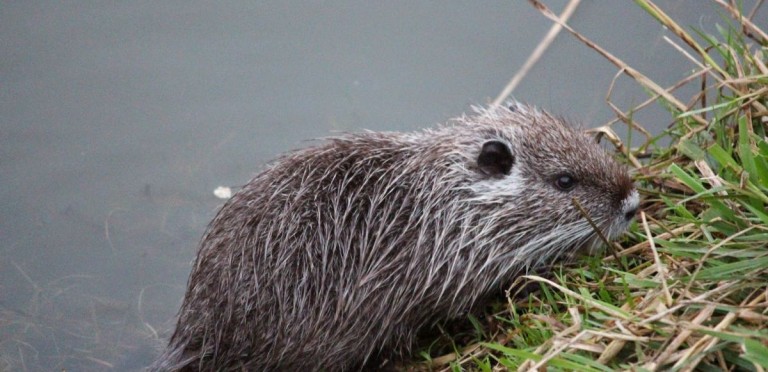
<point x="688" y="288"/>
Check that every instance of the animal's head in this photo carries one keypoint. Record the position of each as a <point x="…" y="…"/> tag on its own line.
<point x="541" y="177"/>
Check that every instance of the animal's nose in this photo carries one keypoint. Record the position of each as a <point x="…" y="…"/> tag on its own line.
<point x="630" y="214"/>
<point x="630" y="205"/>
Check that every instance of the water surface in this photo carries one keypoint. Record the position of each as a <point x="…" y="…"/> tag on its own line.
<point x="119" y="119"/>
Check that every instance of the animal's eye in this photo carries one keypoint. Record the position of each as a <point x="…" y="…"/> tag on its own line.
<point x="565" y="182"/>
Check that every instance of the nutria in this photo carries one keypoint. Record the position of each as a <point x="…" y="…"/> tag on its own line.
<point x="339" y="253"/>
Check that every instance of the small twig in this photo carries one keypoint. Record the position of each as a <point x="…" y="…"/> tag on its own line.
<point x="752" y="12"/>
<point x="745" y="21"/>
<point x="727" y="81"/>
<point x="599" y="232"/>
<point x="633" y="73"/>
<point x="537" y="53"/>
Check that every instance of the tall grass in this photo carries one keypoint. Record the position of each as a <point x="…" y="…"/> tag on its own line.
<point x="690" y="290"/>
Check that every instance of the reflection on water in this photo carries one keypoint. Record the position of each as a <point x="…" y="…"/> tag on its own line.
<point x="119" y="119"/>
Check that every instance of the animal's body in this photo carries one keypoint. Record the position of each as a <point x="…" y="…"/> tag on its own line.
<point x="341" y="252"/>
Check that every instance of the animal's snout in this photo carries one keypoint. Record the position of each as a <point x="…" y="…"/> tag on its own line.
<point x="630" y="204"/>
<point x="630" y="214"/>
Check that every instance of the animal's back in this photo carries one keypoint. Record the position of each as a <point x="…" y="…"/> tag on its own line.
<point x="281" y="286"/>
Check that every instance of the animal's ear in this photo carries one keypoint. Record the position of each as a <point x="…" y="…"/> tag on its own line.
<point x="495" y="159"/>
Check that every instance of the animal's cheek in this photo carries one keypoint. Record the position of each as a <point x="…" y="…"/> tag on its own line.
<point x="606" y="209"/>
<point x="586" y="201"/>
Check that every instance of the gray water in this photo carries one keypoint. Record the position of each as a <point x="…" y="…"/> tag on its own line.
<point x="118" y="120"/>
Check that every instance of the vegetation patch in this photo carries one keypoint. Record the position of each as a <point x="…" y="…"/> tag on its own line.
<point x="687" y="287"/>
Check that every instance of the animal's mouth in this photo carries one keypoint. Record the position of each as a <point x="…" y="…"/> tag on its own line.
<point x="629" y="207"/>
<point x="596" y="244"/>
<point x="569" y="241"/>
<point x="604" y="232"/>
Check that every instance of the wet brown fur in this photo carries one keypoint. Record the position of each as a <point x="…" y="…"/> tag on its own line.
<point x="342" y="251"/>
